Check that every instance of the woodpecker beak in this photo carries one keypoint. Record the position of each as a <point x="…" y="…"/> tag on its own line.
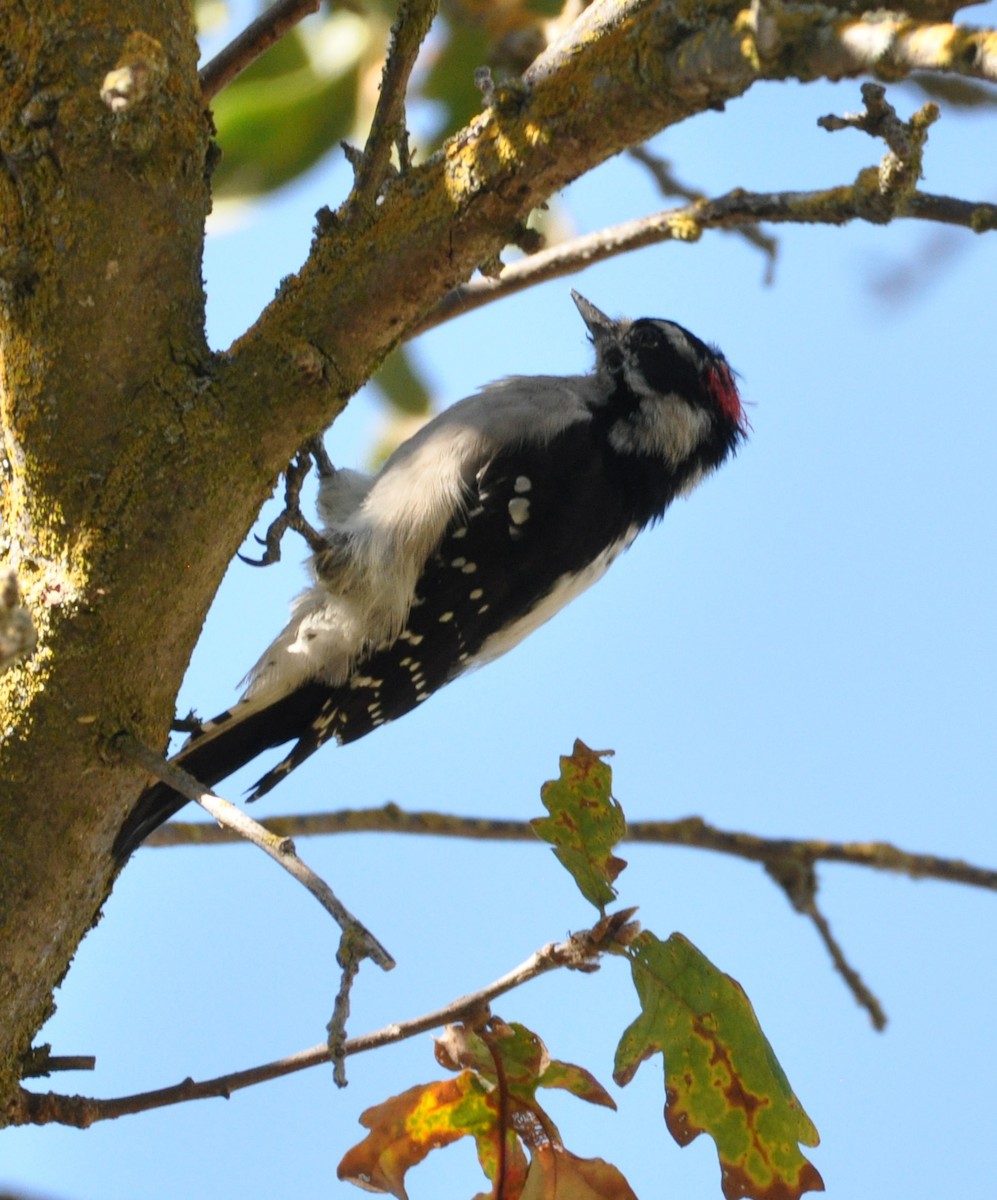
<point x="601" y="328"/>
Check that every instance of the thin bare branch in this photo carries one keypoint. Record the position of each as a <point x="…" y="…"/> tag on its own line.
<point x="454" y="212"/>
<point x="790" y="862"/>
<point x="798" y="879"/>
<point x="357" y="939"/>
<point x="900" y="168"/>
<point x="42" y="1062"/>
<point x="853" y="980"/>
<point x="581" y="951"/>
<point x="736" y="209"/>
<point x="388" y="126"/>
<point x="669" y="185"/>
<point x="688" y="831"/>
<point x="255" y="39"/>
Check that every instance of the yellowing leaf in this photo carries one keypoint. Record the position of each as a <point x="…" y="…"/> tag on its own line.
<point x="721" y="1075"/>
<point x="407" y="1127"/>
<point x="493" y="1100"/>
<point x="585" y="823"/>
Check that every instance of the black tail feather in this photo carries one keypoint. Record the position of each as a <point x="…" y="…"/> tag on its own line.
<point x="225" y="745"/>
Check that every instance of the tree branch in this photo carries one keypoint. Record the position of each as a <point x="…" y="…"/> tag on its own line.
<point x="579" y="952"/>
<point x="795" y="42"/>
<point x="356" y="938"/>
<point x="388" y="126"/>
<point x="693" y="832"/>
<point x="385" y="267"/>
<point x="798" y="879"/>
<point x="790" y="862"/>
<point x="258" y="36"/>
<point x="669" y="185"/>
<point x="736" y="209"/>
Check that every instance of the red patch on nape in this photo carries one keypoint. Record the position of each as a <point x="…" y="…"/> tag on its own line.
<point x="720" y="380"/>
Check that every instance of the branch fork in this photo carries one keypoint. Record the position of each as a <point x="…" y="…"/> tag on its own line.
<point x="900" y="168"/>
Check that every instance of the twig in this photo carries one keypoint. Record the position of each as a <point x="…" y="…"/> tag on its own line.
<point x="688" y="831"/>
<point x="336" y="1041"/>
<point x="798" y="879"/>
<point x="579" y="952"/>
<point x="900" y="168"/>
<point x="356" y="938"/>
<point x="388" y="126"/>
<point x="669" y="185"/>
<point x="831" y="206"/>
<point x="880" y="856"/>
<point x="40" y="1061"/>
<point x="853" y="981"/>
<point x="255" y="39"/>
<point x="789" y="861"/>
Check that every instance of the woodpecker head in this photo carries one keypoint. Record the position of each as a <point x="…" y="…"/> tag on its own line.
<point x="670" y="396"/>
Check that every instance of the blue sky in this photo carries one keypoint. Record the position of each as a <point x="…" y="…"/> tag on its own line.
<point x="806" y="646"/>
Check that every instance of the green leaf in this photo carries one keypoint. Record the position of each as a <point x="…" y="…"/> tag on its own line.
<point x="577" y="1081"/>
<point x="721" y="1075"/>
<point x="544" y="8"/>
<point x="525" y="1062"/>
<point x="451" y="78"/>
<point x="585" y="823"/>
<point x="289" y="108"/>
<point x="399" y="382"/>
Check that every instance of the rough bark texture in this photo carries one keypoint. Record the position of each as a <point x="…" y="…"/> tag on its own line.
<point x="99" y="372"/>
<point x="126" y="441"/>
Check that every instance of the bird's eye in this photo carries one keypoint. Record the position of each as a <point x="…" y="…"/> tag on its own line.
<point x="646" y="337"/>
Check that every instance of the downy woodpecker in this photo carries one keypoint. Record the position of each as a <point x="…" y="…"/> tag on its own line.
<point x="475" y="532"/>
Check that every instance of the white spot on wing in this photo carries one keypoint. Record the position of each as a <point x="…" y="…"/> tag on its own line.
<point x="519" y="510"/>
<point x="365" y="681"/>
<point x="522" y="484"/>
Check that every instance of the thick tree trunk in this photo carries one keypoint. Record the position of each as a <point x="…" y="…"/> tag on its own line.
<point x="103" y="355"/>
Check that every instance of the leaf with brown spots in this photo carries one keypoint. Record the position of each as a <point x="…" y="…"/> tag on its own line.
<point x="493" y="1100"/>
<point x="721" y="1076"/>
<point x="585" y="823"/>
